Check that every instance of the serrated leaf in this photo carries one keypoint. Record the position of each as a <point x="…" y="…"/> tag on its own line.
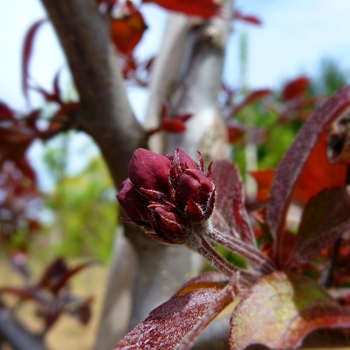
<point x="185" y="314"/>
<point x="281" y="309"/>
<point x="325" y="218"/>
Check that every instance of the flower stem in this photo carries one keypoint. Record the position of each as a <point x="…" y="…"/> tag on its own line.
<point x="238" y="246"/>
<point x="204" y="248"/>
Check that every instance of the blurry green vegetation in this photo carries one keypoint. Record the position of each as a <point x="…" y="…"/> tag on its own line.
<point x="280" y="134"/>
<point x="84" y="207"/>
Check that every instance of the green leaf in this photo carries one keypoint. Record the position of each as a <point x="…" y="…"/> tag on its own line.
<point x="281" y="309"/>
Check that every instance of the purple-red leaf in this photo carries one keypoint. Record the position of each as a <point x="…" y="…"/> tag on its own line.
<point x="225" y="177"/>
<point x="202" y="8"/>
<point x="6" y="112"/>
<point x="173" y="125"/>
<point x="247" y="18"/>
<point x="27" y="53"/>
<point x="325" y="218"/>
<point x="295" y="88"/>
<point x="281" y="309"/>
<point x="186" y="313"/>
<point x="293" y="163"/>
<point x="230" y="212"/>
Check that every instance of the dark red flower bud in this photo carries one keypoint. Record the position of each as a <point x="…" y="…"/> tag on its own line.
<point x="168" y="224"/>
<point x="165" y="194"/>
<point x="133" y="204"/>
<point x="196" y="193"/>
<point x="149" y="170"/>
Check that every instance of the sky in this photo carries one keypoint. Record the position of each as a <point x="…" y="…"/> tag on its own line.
<point x="295" y="36"/>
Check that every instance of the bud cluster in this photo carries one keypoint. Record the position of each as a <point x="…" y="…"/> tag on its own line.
<point x="164" y="195"/>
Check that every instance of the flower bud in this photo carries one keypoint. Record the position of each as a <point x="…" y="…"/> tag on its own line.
<point x="149" y="170"/>
<point x="163" y="195"/>
<point x="133" y="204"/>
<point x="196" y="193"/>
<point x="169" y="225"/>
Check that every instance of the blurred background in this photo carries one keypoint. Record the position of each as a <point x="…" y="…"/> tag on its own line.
<point x="76" y="205"/>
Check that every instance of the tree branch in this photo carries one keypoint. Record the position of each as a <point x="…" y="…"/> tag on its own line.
<point x="106" y="114"/>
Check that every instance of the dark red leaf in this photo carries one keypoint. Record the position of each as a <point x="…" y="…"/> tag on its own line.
<point x="187" y="312"/>
<point x="23" y="293"/>
<point x="82" y="311"/>
<point x="235" y="134"/>
<point x="281" y="309"/>
<point x="230" y="214"/>
<point x="295" y="159"/>
<point x="15" y="134"/>
<point x="264" y="179"/>
<point x="27" y="53"/>
<point x="6" y="112"/>
<point x="57" y="275"/>
<point x="27" y="170"/>
<point x="225" y="177"/>
<point x="201" y="8"/>
<point x="325" y="218"/>
<point x="295" y="88"/>
<point x="184" y="117"/>
<point x="127" y="31"/>
<point x="173" y="125"/>
<point x="247" y="18"/>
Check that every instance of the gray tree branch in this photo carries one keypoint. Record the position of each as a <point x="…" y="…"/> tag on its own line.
<point x="16" y="334"/>
<point x="105" y="113"/>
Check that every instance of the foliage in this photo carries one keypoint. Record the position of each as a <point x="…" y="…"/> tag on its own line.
<point x="288" y="305"/>
<point x="51" y="292"/>
<point x="76" y="198"/>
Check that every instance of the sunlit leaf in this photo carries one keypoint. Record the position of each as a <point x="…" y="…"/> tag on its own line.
<point x="319" y="174"/>
<point x="126" y="32"/>
<point x="264" y="179"/>
<point x="281" y="309"/>
<point x="187" y="312"/>
<point x="325" y="218"/>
